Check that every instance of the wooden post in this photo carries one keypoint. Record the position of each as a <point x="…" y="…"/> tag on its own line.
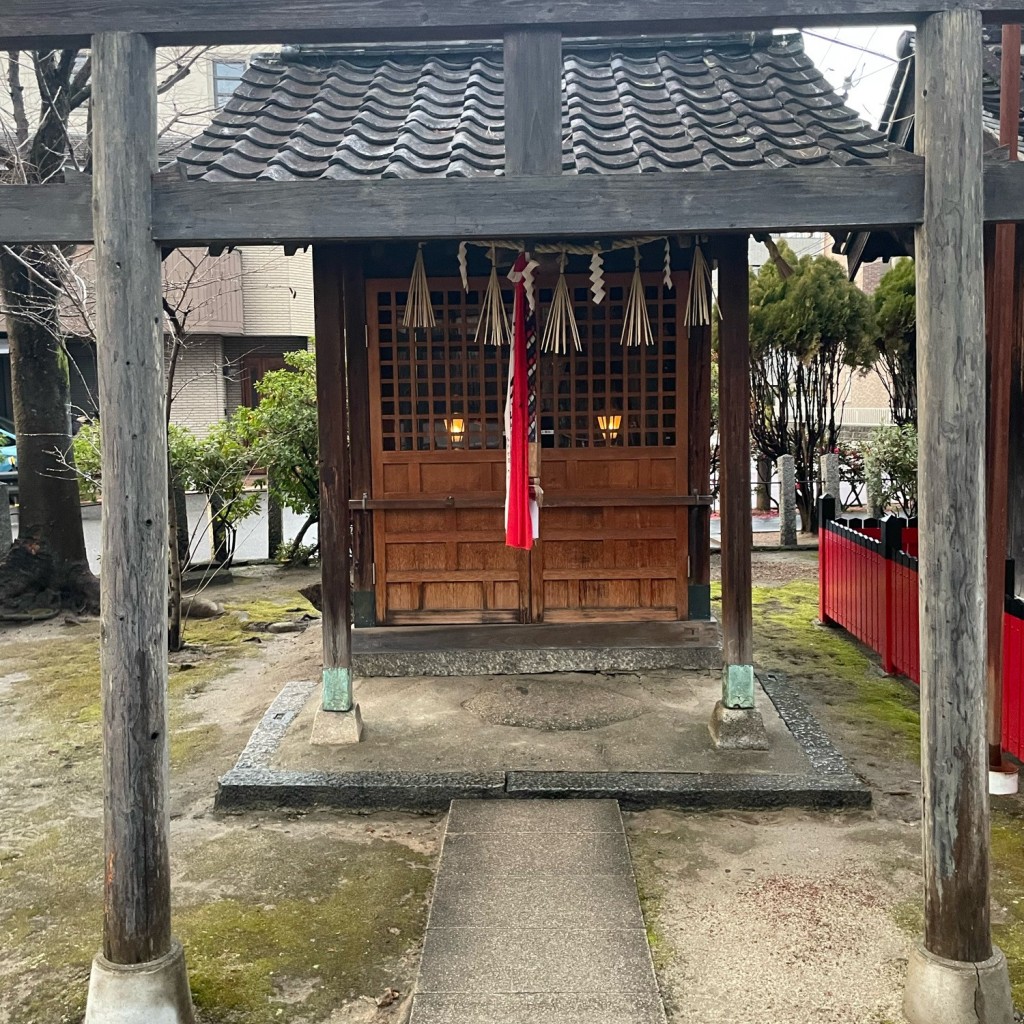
<point x="826" y="514"/>
<point x="736" y="722"/>
<point x="734" y="431"/>
<point x="133" y="638"/>
<point x="353" y="285"/>
<point x="699" y="458"/>
<point x="1001" y="323"/>
<point x="533" y="102"/>
<point x="1015" y="473"/>
<point x="892" y="544"/>
<point x="133" y="654"/>
<point x="332" y="411"/>
<point x="951" y="424"/>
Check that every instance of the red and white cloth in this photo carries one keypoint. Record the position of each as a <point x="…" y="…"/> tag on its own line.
<point x="522" y="517"/>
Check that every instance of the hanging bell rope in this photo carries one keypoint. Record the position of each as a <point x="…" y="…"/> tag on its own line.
<point x="493" y="327"/>
<point x="636" y="325"/>
<point x="697" y="312"/>
<point x="419" y="312"/>
<point x="561" y="322"/>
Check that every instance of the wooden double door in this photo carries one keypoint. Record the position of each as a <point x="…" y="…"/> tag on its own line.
<point x="613" y="467"/>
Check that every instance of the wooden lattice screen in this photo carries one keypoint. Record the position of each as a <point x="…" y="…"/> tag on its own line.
<point x="430" y="378"/>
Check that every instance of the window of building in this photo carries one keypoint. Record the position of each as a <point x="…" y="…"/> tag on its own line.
<point x="226" y="76"/>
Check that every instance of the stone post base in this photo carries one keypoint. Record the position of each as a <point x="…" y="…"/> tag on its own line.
<point x="941" y="991"/>
<point x="738" y="728"/>
<point x="152" y="993"/>
<point x="333" y="728"/>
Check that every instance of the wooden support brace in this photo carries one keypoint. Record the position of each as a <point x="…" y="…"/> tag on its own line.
<point x="533" y="102"/>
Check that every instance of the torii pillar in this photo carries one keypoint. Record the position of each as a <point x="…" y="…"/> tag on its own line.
<point x="955" y="975"/>
<point x="140" y="975"/>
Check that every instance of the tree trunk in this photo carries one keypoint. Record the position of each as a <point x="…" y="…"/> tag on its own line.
<point x="299" y="537"/>
<point x="174" y="639"/>
<point x="184" y="538"/>
<point x="48" y="564"/>
<point x="764" y="484"/>
<point x="805" y="502"/>
<point x="223" y="548"/>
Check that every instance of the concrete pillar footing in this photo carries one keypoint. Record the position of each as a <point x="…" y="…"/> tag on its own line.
<point x="334" y="728"/>
<point x="738" y="729"/>
<point x="151" y="993"/>
<point x="941" y="991"/>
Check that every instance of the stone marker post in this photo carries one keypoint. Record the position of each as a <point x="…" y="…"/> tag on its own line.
<point x="787" y="502"/>
<point x="830" y="478"/>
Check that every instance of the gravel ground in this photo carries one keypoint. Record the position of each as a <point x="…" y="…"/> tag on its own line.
<point x="773" y="567"/>
<point x="777" y="918"/>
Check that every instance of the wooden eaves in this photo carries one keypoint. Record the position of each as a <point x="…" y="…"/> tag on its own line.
<point x="38" y="23"/>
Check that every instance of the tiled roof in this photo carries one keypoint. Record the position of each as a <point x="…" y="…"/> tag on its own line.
<point x="992" y="57"/>
<point x="708" y="104"/>
<point x="897" y="125"/>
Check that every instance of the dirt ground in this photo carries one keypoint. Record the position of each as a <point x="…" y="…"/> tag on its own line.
<point x="786" y="917"/>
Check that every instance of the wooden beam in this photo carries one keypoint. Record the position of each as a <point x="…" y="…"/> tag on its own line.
<point x="563" y="206"/>
<point x="1004" y="191"/>
<point x="272" y="212"/>
<point x="533" y="102"/>
<point x="48" y="213"/>
<point x="34" y="24"/>
<point x="951" y="422"/>
<point x="133" y="648"/>
<point x="734" y="471"/>
<point x="332" y="416"/>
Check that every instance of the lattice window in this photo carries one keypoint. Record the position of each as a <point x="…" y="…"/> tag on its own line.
<point x="439" y="389"/>
<point x="610" y="395"/>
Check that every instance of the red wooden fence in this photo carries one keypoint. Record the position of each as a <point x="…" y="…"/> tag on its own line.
<point x="868" y="584"/>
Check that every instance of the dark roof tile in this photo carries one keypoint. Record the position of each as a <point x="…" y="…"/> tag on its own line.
<point x="709" y="104"/>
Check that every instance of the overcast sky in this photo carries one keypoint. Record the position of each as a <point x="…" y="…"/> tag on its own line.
<point x="844" y="61"/>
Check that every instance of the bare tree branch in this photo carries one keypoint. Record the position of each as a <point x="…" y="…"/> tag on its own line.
<point x="17" y="98"/>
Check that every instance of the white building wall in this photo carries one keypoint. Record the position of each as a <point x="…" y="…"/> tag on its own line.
<point x="199" y="389"/>
<point x="277" y="291"/>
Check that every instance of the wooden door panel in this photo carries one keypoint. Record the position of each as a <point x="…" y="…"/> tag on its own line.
<point x="626" y="559"/>
<point x="618" y="562"/>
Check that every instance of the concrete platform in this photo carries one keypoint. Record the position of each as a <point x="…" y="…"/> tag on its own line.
<point x="475" y="650"/>
<point x="641" y="738"/>
<point x="536" y="954"/>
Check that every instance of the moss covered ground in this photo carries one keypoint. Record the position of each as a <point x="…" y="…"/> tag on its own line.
<point x="283" y="919"/>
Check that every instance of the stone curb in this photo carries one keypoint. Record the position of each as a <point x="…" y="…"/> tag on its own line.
<point x="472" y="662"/>
<point x="253" y="784"/>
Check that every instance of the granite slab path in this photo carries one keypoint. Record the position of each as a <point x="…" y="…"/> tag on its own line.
<point x="536" y="920"/>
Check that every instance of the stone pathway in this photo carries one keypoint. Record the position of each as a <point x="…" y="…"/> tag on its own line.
<point x="535" y="920"/>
